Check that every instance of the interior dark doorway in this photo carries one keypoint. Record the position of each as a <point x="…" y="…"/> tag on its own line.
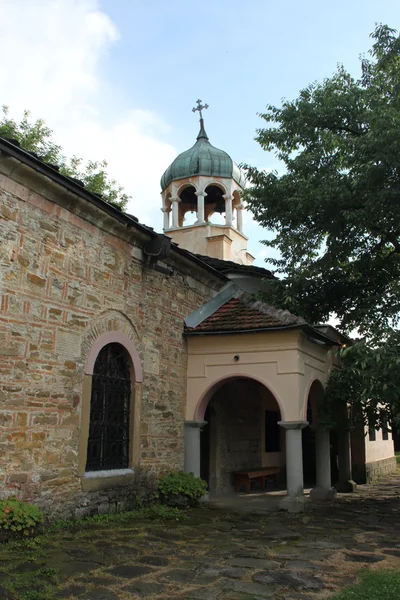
<point x="242" y="432"/>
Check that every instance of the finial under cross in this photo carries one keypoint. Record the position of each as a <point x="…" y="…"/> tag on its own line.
<point x="199" y="107"/>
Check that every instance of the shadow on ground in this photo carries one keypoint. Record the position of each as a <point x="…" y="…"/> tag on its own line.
<point x="215" y="554"/>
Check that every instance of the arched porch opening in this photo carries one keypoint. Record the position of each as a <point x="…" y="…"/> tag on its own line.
<point x="315" y="397"/>
<point x="241" y="432"/>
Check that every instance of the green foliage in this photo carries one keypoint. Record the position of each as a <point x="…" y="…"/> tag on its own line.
<point x="181" y="489"/>
<point x="368" y="382"/>
<point x="384" y="585"/>
<point x="335" y="207"/>
<point x="36" y="137"/>
<point x="19" y="517"/>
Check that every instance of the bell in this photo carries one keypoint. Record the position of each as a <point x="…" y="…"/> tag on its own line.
<point x="220" y="206"/>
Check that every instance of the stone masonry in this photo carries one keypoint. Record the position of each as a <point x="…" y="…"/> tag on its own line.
<point x="67" y="273"/>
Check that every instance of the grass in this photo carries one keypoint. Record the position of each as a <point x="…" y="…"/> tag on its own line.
<point x="397" y="457"/>
<point x="383" y="585"/>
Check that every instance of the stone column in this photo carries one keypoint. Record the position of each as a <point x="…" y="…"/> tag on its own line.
<point x="294" y="501"/>
<point x="239" y="213"/>
<point x="323" y="489"/>
<point x="228" y="209"/>
<point x="345" y="483"/>
<point x="192" y="446"/>
<point x="200" y="206"/>
<point x="175" y="210"/>
<point x="166" y="212"/>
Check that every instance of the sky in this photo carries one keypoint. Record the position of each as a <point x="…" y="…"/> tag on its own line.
<point x="117" y="79"/>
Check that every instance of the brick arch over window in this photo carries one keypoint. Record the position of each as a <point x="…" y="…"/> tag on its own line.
<point x="115" y="337"/>
<point x="112" y="327"/>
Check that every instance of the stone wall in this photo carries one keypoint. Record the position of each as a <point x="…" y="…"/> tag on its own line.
<point x="62" y="278"/>
<point x="376" y="469"/>
<point x="236" y="427"/>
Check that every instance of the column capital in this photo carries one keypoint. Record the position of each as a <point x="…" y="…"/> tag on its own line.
<point x="199" y="424"/>
<point x="165" y="210"/>
<point x="175" y="199"/>
<point x="293" y="424"/>
<point x="239" y="206"/>
<point x="201" y="194"/>
<point x="227" y="197"/>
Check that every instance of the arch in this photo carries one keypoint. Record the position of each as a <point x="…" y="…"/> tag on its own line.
<point x="119" y="338"/>
<point x="166" y="197"/>
<point x="120" y="329"/>
<point x="218" y="383"/>
<point x="314" y="384"/>
<point x="184" y="186"/>
<point x="216" y="184"/>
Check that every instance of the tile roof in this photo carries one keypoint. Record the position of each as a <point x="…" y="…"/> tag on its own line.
<point x="242" y="313"/>
<point x="228" y="266"/>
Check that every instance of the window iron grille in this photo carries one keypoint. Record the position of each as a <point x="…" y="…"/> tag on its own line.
<point x="108" y="443"/>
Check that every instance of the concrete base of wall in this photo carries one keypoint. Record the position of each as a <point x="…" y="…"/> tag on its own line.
<point x="85" y="503"/>
<point x="374" y="470"/>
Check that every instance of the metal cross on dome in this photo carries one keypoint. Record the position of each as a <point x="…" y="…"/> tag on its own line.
<point x="199" y="107"/>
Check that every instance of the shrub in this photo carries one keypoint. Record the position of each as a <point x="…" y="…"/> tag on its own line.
<point x="181" y="489"/>
<point x="18" y="517"/>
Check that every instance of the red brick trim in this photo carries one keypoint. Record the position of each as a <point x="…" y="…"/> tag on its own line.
<point x="119" y="338"/>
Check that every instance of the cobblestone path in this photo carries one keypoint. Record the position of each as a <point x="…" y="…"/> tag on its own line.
<point x="225" y="556"/>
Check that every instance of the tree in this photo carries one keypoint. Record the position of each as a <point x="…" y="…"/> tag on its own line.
<point x="36" y="137"/>
<point x="336" y="212"/>
<point x="368" y="382"/>
<point x="336" y="208"/>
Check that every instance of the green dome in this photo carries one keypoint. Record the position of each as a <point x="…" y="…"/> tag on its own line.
<point x="202" y="159"/>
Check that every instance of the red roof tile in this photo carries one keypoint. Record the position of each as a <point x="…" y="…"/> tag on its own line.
<point x="244" y="314"/>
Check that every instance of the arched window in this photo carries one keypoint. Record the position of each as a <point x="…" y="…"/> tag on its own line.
<point x="108" y="443"/>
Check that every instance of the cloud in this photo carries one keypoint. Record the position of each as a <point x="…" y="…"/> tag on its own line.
<point x="54" y="70"/>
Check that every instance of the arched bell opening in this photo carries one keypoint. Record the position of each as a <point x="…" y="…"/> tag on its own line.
<point x="187" y="204"/>
<point x="214" y="204"/>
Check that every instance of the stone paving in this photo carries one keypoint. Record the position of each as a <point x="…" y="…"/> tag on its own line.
<point x="217" y="555"/>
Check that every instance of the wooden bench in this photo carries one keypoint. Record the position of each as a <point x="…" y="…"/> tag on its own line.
<point x="244" y="478"/>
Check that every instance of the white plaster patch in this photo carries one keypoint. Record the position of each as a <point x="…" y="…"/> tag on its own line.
<point x="68" y="344"/>
<point x="152" y="361"/>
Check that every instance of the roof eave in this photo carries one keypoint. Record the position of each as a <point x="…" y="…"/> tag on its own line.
<point x="326" y="340"/>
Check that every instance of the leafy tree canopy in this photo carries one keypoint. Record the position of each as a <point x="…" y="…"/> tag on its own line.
<point x="37" y="137"/>
<point x="335" y="211"/>
<point x="336" y="207"/>
<point x="368" y="382"/>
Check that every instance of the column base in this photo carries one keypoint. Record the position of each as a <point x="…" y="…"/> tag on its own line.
<point x="346" y="487"/>
<point x="319" y="494"/>
<point x="293" y="504"/>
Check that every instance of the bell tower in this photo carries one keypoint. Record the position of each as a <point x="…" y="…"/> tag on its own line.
<point x="205" y="180"/>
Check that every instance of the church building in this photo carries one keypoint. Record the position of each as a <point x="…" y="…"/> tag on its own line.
<point x="125" y="353"/>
